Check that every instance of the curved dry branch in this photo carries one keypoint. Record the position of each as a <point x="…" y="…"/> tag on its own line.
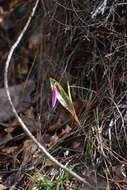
<point x="42" y="148"/>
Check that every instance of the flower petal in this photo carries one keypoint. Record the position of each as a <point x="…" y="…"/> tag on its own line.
<point x="54" y="96"/>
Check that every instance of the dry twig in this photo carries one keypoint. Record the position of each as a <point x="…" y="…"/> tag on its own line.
<point x="100" y="9"/>
<point x="42" y="148"/>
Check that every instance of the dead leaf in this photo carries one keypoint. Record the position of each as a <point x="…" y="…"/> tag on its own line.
<point x="62" y="119"/>
<point x="79" y="104"/>
<point x="29" y="148"/>
<point x="75" y="144"/>
<point x="48" y="162"/>
<point x="4" y="135"/>
<point x="54" y="139"/>
<point x="3" y="187"/>
<point x="53" y="127"/>
<point x="10" y="150"/>
<point x="21" y="98"/>
<point x="65" y="131"/>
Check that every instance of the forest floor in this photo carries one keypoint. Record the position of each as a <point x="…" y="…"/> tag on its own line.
<point x="85" y="43"/>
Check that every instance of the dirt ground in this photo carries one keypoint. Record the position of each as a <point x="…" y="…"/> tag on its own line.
<point x="85" y="43"/>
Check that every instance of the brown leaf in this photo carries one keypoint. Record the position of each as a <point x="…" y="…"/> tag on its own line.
<point x="48" y="162"/>
<point x="10" y="150"/>
<point x="21" y="98"/>
<point x="53" y="127"/>
<point x="63" y="119"/>
<point x="54" y="139"/>
<point x="68" y="129"/>
<point x="29" y="148"/>
<point x="79" y="104"/>
<point x="3" y="187"/>
<point x="4" y="135"/>
<point x="75" y="144"/>
<point x="65" y="131"/>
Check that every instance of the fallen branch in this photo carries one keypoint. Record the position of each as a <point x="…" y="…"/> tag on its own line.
<point x="42" y="148"/>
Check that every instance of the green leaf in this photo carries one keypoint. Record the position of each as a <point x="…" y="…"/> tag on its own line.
<point x="69" y="92"/>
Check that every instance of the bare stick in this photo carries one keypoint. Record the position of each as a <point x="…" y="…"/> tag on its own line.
<point x="42" y="148"/>
<point x="101" y="9"/>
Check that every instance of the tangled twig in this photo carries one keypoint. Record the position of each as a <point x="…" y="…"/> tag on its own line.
<point x="42" y="148"/>
<point x="100" y="9"/>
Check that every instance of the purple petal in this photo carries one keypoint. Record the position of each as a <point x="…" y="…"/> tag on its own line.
<point x="54" y="96"/>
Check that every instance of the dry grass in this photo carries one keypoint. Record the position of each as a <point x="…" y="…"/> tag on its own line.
<point x="85" y="42"/>
<point x="89" y="49"/>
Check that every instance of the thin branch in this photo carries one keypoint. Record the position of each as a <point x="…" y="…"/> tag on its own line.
<point x="122" y="119"/>
<point x="42" y="148"/>
<point x="100" y="9"/>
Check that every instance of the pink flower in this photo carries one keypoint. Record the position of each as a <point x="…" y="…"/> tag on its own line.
<point x="54" y="96"/>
